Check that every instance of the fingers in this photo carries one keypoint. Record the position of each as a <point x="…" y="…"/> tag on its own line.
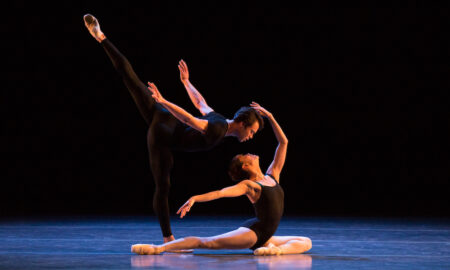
<point x="152" y="87"/>
<point x="182" y="65"/>
<point x="183" y="212"/>
<point x="184" y="209"/>
<point x="256" y="106"/>
<point x="181" y="208"/>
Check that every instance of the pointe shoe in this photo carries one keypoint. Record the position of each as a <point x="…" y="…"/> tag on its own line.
<point x="144" y="249"/>
<point x="93" y="26"/>
<point x="271" y="249"/>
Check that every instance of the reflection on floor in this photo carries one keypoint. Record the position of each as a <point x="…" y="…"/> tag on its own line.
<point x="338" y="243"/>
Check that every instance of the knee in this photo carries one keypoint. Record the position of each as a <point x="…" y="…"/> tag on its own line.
<point x="162" y="189"/>
<point x="207" y="243"/>
<point x="196" y="241"/>
<point x="122" y="65"/>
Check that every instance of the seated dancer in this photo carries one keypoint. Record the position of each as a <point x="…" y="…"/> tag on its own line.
<point x="172" y="128"/>
<point x="263" y="190"/>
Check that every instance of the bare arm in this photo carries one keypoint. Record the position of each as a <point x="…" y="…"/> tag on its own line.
<point x="178" y="112"/>
<point x="280" y="153"/>
<point x="195" y="96"/>
<point x="237" y="190"/>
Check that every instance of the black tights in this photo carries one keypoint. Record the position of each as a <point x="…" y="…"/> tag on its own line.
<point x="161" y="126"/>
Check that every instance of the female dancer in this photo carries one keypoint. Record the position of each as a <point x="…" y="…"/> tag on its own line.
<point x="263" y="190"/>
<point x="171" y="127"/>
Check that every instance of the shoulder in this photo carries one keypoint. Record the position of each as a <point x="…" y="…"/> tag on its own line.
<point x="250" y="184"/>
<point x="271" y="176"/>
<point x="205" y="109"/>
<point x="212" y="115"/>
<point x="217" y="124"/>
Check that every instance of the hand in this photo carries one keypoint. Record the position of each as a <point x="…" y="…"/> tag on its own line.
<point x="263" y="112"/>
<point x="184" y="73"/>
<point x="186" y="207"/>
<point x="155" y="93"/>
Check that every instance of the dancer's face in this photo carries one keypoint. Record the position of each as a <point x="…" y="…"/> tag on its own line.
<point x="250" y="163"/>
<point x="247" y="133"/>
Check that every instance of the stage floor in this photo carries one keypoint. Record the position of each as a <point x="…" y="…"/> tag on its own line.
<point x="338" y="243"/>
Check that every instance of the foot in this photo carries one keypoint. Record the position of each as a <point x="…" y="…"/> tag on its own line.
<point x="144" y="249"/>
<point x="93" y="26"/>
<point x="271" y="249"/>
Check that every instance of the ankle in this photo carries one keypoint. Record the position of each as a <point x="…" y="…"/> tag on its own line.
<point x="160" y="249"/>
<point x="168" y="238"/>
<point x="100" y="37"/>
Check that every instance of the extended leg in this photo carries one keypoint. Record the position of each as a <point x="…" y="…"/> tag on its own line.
<point x="138" y="90"/>
<point x="237" y="239"/>
<point x="285" y="245"/>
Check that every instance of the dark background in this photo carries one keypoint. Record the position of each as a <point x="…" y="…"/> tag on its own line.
<point x="361" y="93"/>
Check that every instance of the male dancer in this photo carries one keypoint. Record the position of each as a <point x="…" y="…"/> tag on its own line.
<point x="171" y="127"/>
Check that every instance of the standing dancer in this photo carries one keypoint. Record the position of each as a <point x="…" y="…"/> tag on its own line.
<point x="267" y="196"/>
<point x="171" y="127"/>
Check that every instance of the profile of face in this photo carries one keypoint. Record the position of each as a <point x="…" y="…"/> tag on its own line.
<point x="247" y="133"/>
<point x="250" y="163"/>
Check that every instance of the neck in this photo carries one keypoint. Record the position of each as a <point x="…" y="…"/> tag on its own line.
<point x="231" y="131"/>
<point x="258" y="176"/>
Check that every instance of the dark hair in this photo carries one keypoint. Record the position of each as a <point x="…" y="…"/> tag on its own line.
<point x="235" y="170"/>
<point x="248" y="116"/>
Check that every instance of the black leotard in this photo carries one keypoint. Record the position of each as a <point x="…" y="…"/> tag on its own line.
<point x="268" y="210"/>
<point x="165" y="133"/>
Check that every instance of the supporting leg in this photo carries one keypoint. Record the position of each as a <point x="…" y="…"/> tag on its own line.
<point x="161" y="163"/>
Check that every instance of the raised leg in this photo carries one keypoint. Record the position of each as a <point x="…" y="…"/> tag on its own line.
<point x="138" y="90"/>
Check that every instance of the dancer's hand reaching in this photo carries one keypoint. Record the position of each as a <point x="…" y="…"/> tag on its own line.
<point x="263" y="112"/>
<point x="155" y="93"/>
<point x="184" y="72"/>
<point x="186" y="207"/>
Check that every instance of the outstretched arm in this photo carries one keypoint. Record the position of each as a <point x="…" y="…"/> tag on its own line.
<point x="196" y="98"/>
<point x="178" y="112"/>
<point x="280" y="154"/>
<point x="234" y="191"/>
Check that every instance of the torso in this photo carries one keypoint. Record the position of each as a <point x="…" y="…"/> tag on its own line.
<point x="268" y="201"/>
<point x="191" y="140"/>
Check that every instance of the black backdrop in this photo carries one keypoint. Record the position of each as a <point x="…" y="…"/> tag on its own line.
<point x="362" y="94"/>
